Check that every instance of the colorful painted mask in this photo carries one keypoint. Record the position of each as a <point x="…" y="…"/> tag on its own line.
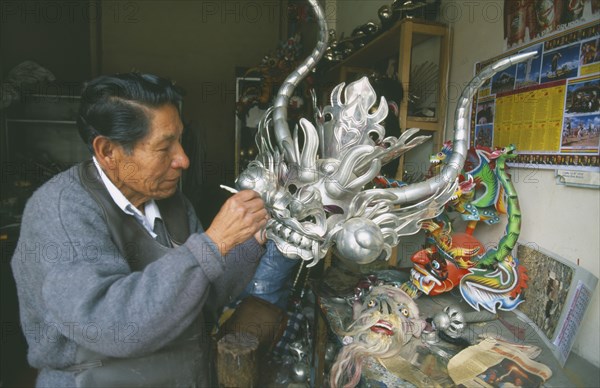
<point x="490" y="279"/>
<point x="440" y="267"/>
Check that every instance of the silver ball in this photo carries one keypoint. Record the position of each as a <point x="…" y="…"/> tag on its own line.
<point x="360" y="241"/>
<point x="300" y="372"/>
<point x="451" y="321"/>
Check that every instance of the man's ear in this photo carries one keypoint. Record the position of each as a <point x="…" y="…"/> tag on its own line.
<point x="105" y="152"/>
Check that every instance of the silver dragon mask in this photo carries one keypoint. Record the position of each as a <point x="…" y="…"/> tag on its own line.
<point x="313" y="181"/>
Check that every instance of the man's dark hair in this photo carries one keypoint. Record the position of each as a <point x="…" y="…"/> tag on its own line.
<point x="116" y="107"/>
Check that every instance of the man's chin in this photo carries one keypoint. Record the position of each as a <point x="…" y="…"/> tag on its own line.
<point x="165" y="191"/>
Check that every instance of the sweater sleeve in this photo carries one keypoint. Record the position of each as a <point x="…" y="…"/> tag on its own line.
<point x="238" y="265"/>
<point x="71" y="276"/>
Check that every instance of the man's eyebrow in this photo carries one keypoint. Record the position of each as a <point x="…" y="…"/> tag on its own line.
<point x="169" y="137"/>
<point x="172" y="136"/>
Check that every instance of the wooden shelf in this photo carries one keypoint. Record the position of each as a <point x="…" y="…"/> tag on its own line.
<point x="387" y="43"/>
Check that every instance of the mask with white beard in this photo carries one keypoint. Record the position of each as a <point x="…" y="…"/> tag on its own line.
<point x="387" y="320"/>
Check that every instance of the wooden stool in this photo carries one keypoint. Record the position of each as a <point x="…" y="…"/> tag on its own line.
<point x="237" y="360"/>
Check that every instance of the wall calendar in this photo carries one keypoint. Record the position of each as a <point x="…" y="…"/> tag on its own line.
<point x="549" y="106"/>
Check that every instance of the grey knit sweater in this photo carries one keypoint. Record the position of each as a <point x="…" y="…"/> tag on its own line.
<point x="75" y="289"/>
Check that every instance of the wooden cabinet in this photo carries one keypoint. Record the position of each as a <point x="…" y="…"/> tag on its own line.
<point x="419" y="48"/>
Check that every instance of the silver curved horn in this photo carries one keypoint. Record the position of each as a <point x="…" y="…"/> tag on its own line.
<point x="281" y="127"/>
<point x="415" y="192"/>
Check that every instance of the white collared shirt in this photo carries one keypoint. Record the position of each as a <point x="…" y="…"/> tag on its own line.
<point x="150" y="208"/>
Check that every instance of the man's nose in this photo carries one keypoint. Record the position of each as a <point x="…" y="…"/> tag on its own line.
<point x="180" y="161"/>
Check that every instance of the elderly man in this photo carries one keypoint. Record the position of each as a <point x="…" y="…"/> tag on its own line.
<point x="115" y="275"/>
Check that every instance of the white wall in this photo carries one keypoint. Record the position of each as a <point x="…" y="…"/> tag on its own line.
<point x="560" y="219"/>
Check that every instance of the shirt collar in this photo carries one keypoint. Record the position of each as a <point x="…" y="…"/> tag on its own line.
<point x="150" y="207"/>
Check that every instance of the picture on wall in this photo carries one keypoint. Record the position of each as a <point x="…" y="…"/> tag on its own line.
<point x="583" y="95"/>
<point x="581" y="127"/>
<point x="485" y="112"/>
<point x="590" y="56"/>
<point x="528" y="73"/>
<point x="548" y="106"/>
<point x="528" y="20"/>
<point x="484" y="135"/>
<point x="561" y="63"/>
<point x="581" y="133"/>
<point x="504" y="80"/>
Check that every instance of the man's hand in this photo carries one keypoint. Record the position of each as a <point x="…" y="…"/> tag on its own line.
<point x="261" y="235"/>
<point x="241" y="216"/>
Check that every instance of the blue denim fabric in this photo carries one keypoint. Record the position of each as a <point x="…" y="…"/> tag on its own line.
<point x="271" y="281"/>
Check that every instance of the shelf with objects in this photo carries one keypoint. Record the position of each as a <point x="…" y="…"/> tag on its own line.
<point x="38" y="138"/>
<point x="41" y="140"/>
<point x="415" y="55"/>
<point x="256" y="88"/>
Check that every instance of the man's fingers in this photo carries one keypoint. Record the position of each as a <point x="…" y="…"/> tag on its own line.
<point x="247" y="195"/>
<point x="256" y="205"/>
<point x="249" y="200"/>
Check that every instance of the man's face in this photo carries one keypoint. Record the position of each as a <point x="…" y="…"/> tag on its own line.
<point x="152" y="170"/>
